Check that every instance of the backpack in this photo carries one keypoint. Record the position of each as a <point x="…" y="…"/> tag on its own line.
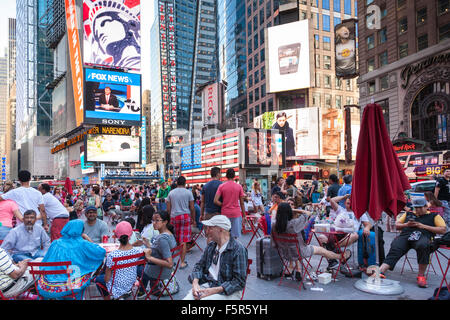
<point x="297" y="197"/>
<point x="320" y="188"/>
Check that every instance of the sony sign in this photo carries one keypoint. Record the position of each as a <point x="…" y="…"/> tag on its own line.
<point x="210" y="104"/>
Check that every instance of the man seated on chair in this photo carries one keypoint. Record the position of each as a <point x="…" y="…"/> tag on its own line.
<point x="209" y="281"/>
<point x="94" y="229"/>
<point x="336" y="211"/>
<point x="14" y="278"/>
<point x="417" y="229"/>
<point x="28" y="240"/>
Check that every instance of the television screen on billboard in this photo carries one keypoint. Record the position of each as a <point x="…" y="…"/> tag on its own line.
<point x="112" y="33"/>
<point x="345" y="49"/>
<point x="288" y="56"/>
<point x="112" y="98"/>
<point x="263" y="148"/>
<point x="300" y="127"/>
<point x="112" y="148"/>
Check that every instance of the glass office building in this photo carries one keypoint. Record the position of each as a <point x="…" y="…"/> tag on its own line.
<point x="232" y="54"/>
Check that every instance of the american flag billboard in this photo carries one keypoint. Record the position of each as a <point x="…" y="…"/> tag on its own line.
<point x="217" y="151"/>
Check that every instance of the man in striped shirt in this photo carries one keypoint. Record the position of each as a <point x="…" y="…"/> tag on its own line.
<point x="9" y="272"/>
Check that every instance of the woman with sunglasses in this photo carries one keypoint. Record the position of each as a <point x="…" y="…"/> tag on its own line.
<point x="159" y="256"/>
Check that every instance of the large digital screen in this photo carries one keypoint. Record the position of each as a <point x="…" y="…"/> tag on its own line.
<point x="112" y="98"/>
<point x="263" y="148"/>
<point x="345" y="42"/>
<point x="288" y="57"/>
<point x="112" y="148"/>
<point x="112" y="33"/>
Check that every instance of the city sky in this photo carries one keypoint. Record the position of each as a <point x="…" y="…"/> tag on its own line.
<point x="8" y="10"/>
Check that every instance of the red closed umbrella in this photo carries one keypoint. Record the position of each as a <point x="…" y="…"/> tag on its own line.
<point x="379" y="180"/>
<point x="68" y="186"/>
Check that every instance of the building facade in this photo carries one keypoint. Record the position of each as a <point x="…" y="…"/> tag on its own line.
<point x="405" y="67"/>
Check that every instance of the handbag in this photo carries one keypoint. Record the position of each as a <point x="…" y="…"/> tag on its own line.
<point x="343" y="220"/>
<point x="172" y="286"/>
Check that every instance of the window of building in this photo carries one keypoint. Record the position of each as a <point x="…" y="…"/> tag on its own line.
<point x="250" y="114"/>
<point x="369" y="2"/>
<point x="348" y="7"/>
<point x="317" y="80"/>
<point x="250" y="64"/>
<point x="384" y="104"/>
<point x="338" y="101"/>
<point x="262" y="55"/>
<point x="402" y="25"/>
<point x="422" y="42"/>
<point x="348" y="84"/>
<point x="337" y="5"/>
<point x="257" y="110"/>
<point x="249" y="11"/>
<point x="403" y="50"/>
<point x="255" y="5"/>
<point x="327" y="100"/>
<point x="268" y="9"/>
<point x="382" y="35"/>
<point x="316" y="99"/>
<point x="256" y="95"/>
<point x="338" y="83"/>
<point x="261" y="16"/>
<point x="256" y="62"/>
<point x="316" y="41"/>
<point x="327" y="81"/>
<point x="250" y="97"/>
<point x="249" y="27"/>
<point x="371" y="87"/>
<point x="255" y="42"/>
<point x="263" y="73"/>
<point x="384" y="82"/>
<point x="263" y="107"/>
<point x="336" y="21"/>
<point x="250" y="46"/>
<point x="250" y="81"/>
<point x="401" y="3"/>
<point x="263" y="90"/>
<point x="443" y="6"/>
<point x="370" y="42"/>
<point x="326" y="43"/>
<point x="261" y="36"/>
<point x="326" y="22"/>
<point x="256" y="76"/>
<point x="303" y="15"/>
<point x="270" y="104"/>
<point x="383" y="58"/>
<point x="383" y="10"/>
<point x="327" y="62"/>
<point x="370" y="64"/>
<point x="422" y="15"/>
<point x="326" y="4"/>
<point x="349" y="101"/>
<point x="444" y="32"/>
<point x="255" y="23"/>
<point x="317" y="60"/>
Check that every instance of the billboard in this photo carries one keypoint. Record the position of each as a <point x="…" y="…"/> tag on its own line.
<point x="112" y="33"/>
<point x="112" y="97"/>
<point x="300" y="127"/>
<point x="263" y="148"/>
<point x="210" y="104"/>
<point x="86" y="168"/>
<point x="112" y="148"/>
<point x="345" y="49"/>
<point x="75" y="59"/>
<point x="288" y="57"/>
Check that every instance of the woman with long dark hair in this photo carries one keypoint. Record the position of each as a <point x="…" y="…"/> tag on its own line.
<point x="146" y="201"/>
<point x="290" y="221"/>
<point x="159" y="256"/>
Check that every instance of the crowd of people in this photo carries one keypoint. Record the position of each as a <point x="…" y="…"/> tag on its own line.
<point x="150" y="220"/>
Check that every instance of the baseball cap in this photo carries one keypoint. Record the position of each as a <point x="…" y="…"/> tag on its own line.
<point x="419" y="202"/>
<point x="90" y="208"/>
<point x="218" y="221"/>
<point x="123" y="228"/>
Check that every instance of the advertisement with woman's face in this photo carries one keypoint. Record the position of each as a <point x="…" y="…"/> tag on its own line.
<point x="112" y="33"/>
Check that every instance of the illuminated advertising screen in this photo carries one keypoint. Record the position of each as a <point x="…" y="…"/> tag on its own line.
<point x="263" y="148"/>
<point x="112" y="148"/>
<point x="112" y="98"/>
<point x="345" y="49"/>
<point x="288" y="57"/>
<point x="112" y="33"/>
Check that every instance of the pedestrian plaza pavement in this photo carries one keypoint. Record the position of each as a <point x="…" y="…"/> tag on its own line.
<point x="342" y="289"/>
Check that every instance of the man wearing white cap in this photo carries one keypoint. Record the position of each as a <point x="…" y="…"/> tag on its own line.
<point x="221" y="272"/>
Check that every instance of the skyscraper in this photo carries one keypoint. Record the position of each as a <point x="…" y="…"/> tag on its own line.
<point x="232" y="48"/>
<point x="11" y="53"/>
<point x="3" y="102"/>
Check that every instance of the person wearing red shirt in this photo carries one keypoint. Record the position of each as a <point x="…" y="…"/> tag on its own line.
<point x="232" y="204"/>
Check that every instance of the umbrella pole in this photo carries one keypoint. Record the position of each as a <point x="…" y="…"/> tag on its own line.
<point x="377" y="249"/>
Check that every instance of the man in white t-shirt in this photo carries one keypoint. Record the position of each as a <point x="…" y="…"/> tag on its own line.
<point x="336" y="209"/>
<point x="27" y="198"/>
<point x="57" y="214"/>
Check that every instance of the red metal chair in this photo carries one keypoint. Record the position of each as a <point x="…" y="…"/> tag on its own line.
<point x="291" y="238"/>
<point x="176" y="252"/>
<point x="444" y="273"/>
<point x="36" y="272"/>
<point x="116" y="266"/>
<point x="195" y="237"/>
<point x="252" y="221"/>
<point x="249" y="263"/>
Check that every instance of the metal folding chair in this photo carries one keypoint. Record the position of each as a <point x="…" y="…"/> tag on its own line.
<point x="291" y="239"/>
<point x="176" y="252"/>
<point x="195" y="237"/>
<point x="440" y="252"/>
<point x="249" y="263"/>
<point x="252" y="221"/>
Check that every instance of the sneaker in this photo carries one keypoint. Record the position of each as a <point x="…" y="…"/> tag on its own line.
<point x="422" y="282"/>
<point x="332" y="265"/>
